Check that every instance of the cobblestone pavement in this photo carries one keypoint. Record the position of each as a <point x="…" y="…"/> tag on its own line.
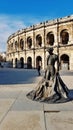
<point x="17" y="112"/>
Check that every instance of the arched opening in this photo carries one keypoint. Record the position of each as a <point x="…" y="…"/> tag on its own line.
<point x="11" y="46"/>
<point x="16" y="63"/>
<point x="38" y="40"/>
<point x="50" y="38"/>
<point x="29" y="42"/>
<point x="29" y="62"/>
<point x="38" y="61"/>
<point x="64" y="35"/>
<point x="16" y="45"/>
<point x="64" y="60"/>
<point x="22" y="62"/>
<point x="12" y="62"/>
<point x="21" y="44"/>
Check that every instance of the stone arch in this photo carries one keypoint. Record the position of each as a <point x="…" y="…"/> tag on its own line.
<point x="16" y="45"/>
<point x="50" y="38"/>
<point x="38" y="40"/>
<point x="29" y="62"/>
<point x="22" y="44"/>
<point x="15" y="62"/>
<point x="12" y="46"/>
<point x="64" y="60"/>
<point x="29" y="42"/>
<point x="38" y="61"/>
<point x="64" y="36"/>
<point x="22" y="62"/>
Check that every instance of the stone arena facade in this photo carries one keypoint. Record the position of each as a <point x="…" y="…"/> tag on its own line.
<point x="27" y="47"/>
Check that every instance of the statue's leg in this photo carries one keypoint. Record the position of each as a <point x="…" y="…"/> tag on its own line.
<point x="53" y="73"/>
<point x="48" y="74"/>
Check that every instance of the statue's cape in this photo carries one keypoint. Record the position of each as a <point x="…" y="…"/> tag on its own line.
<point x="51" y="94"/>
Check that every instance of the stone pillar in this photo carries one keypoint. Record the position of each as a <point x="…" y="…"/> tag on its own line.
<point x="44" y="46"/>
<point x="33" y="60"/>
<point x="43" y="61"/>
<point x="71" y="62"/>
<point x="33" y="47"/>
<point x="13" y="63"/>
<point x="43" y="41"/>
<point x="56" y="35"/>
<point x="25" y="49"/>
<point x="71" y="33"/>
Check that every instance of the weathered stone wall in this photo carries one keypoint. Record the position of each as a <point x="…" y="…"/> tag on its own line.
<point x="59" y="28"/>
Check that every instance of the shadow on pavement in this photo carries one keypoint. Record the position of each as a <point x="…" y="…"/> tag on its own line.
<point x="18" y="76"/>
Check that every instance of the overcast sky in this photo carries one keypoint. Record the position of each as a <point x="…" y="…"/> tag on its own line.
<point x="18" y="14"/>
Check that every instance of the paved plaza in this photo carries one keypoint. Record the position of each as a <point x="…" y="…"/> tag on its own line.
<point x="17" y="112"/>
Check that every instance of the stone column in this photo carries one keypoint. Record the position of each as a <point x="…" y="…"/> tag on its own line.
<point x="33" y="47"/>
<point x="44" y="46"/>
<point x="71" y="33"/>
<point x="25" y="48"/>
<point x="13" y="63"/>
<point x="71" y="62"/>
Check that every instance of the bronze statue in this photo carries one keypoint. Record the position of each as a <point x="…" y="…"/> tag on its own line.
<point x="50" y="70"/>
<point x="51" y="88"/>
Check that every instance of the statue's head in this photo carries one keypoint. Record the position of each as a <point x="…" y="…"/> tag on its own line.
<point x="50" y="49"/>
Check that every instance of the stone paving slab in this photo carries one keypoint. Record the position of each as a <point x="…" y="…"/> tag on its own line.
<point x="13" y="91"/>
<point x="23" y="103"/>
<point x="17" y="112"/>
<point x="59" y="121"/>
<point x="68" y="106"/>
<point x="68" y="81"/>
<point x="9" y="94"/>
<point x="18" y="86"/>
<point x="5" y="105"/>
<point x="23" y="120"/>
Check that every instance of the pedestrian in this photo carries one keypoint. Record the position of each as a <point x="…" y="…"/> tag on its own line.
<point x="39" y="68"/>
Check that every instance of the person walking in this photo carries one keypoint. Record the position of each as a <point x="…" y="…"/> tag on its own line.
<point x="39" y="68"/>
